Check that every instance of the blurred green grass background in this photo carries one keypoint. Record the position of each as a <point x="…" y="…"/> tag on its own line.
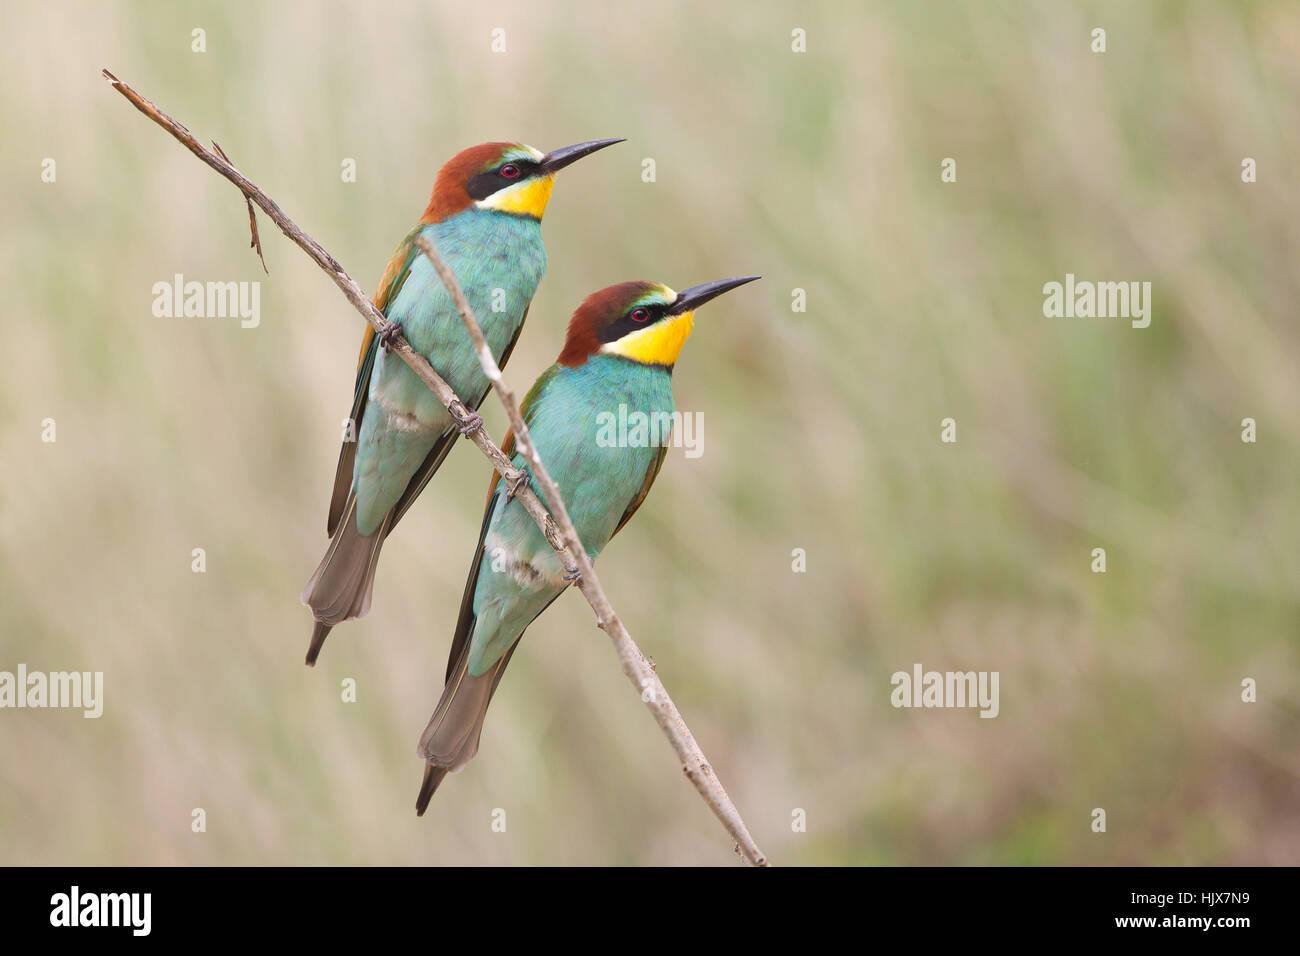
<point x="820" y="171"/>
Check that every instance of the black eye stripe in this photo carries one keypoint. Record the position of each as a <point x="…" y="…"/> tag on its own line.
<point x="621" y="326"/>
<point x="486" y="183"/>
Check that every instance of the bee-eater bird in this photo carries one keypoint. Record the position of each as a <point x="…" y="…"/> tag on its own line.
<point x="485" y="220"/>
<point x="621" y="347"/>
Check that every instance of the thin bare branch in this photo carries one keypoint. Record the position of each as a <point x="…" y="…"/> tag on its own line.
<point x="561" y="536"/>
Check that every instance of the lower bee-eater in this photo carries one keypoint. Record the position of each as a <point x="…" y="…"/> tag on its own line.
<point x="621" y="347"/>
<point x="485" y="220"/>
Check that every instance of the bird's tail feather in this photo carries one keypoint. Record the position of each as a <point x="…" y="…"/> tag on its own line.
<point x="451" y="738"/>
<point x="319" y="632"/>
<point x="433" y="775"/>
<point x="342" y="585"/>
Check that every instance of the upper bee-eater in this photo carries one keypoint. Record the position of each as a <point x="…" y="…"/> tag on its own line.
<point x="485" y="220"/>
<point x="621" y="347"/>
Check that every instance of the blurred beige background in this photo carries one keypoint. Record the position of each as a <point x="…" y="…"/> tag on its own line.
<point x="820" y="171"/>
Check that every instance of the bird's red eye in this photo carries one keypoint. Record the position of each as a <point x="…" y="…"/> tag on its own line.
<point x="510" y="171"/>
<point x="640" y="315"/>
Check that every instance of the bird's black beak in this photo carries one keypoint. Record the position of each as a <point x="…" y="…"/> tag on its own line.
<point x="694" y="297"/>
<point x="559" y="158"/>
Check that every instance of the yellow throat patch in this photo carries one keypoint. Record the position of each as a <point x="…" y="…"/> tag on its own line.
<point x="659" y="344"/>
<point x="528" y="198"/>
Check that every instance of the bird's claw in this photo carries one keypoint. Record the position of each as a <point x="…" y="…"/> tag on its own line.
<point x="387" y="332"/>
<point x="472" y="423"/>
<point x="573" y="575"/>
<point x="517" y="484"/>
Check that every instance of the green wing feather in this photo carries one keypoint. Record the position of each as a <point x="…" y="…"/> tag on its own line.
<point x="442" y="447"/>
<point x="651" y="473"/>
<point x="465" y="620"/>
<point x="394" y="277"/>
<point x="348" y="453"/>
